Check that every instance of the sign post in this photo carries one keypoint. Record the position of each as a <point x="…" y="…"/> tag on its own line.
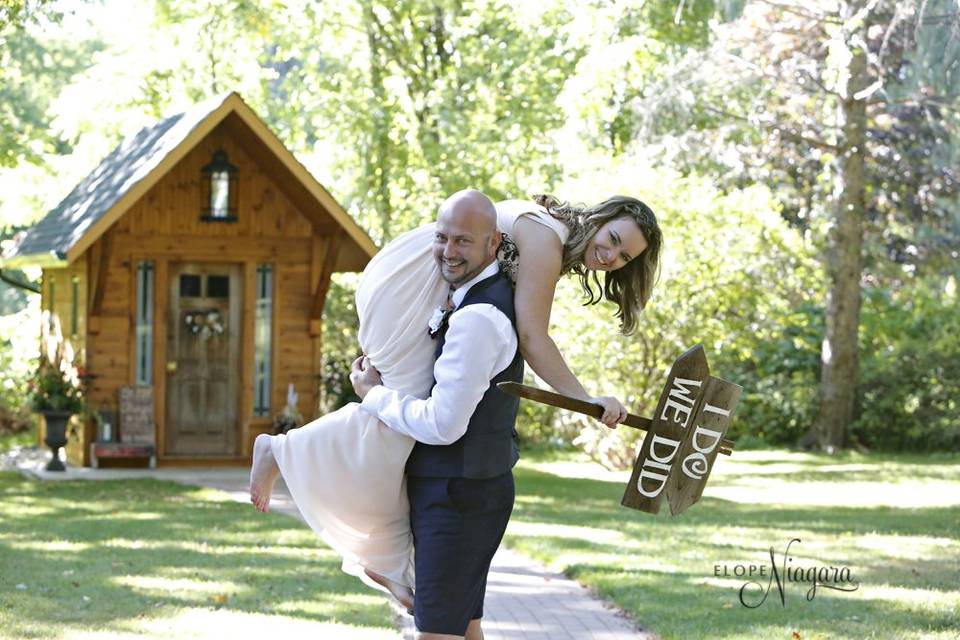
<point x="683" y="438"/>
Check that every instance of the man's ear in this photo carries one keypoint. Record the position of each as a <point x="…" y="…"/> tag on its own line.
<point x="495" y="239"/>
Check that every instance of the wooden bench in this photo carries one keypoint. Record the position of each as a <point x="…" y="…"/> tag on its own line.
<point x="107" y="450"/>
<point x="136" y="434"/>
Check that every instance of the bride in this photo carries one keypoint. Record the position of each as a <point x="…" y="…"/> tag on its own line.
<point x="345" y="470"/>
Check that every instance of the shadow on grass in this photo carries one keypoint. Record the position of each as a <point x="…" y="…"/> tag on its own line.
<point x="661" y="569"/>
<point x="138" y="548"/>
<point x="596" y="503"/>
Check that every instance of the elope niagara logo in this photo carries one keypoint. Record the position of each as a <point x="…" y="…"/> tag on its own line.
<point x="753" y="593"/>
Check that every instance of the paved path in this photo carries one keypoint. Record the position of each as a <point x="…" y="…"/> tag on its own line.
<point x="524" y="600"/>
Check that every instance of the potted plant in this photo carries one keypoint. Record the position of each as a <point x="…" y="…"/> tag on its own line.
<point x="56" y="390"/>
<point x="290" y="418"/>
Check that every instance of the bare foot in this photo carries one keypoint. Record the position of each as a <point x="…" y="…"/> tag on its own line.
<point x="403" y="594"/>
<point x="263" y="473"/>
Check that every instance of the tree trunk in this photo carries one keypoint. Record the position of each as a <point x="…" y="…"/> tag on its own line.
<point x="839" y="354"/>
<point x="377" y="168"/>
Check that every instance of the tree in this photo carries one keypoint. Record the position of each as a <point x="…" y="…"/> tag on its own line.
<point x="736" y="278"/>
<point x="845" y="106"/>
<point x="397" y="103"/>
<point x="460" y="94"/>
<point x="17" y="13"/>
<point x="33" y="69"/>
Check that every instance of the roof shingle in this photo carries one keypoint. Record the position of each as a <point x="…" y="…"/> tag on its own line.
<point x="129" y="163"/>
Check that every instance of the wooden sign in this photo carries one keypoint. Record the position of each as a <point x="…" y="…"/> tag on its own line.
<point x="683" y="438"/>
<point x="136" y="415"/>
<point x="678" y="453"/>
<point x="699" y="449"/>
<point x="677" y="405"/>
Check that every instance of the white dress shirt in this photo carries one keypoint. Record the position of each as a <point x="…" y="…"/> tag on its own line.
<point x="480" y="343"/>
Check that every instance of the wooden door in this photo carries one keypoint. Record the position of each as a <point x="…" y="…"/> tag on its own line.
<point x="203" y="363"/>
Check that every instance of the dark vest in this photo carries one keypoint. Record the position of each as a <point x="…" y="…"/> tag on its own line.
<point x="489" y="446"/>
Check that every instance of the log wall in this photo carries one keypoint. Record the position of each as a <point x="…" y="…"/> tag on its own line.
<point x="165" y="228"/>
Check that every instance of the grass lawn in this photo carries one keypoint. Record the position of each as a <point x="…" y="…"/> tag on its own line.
<point x="125" y="559"/>
<point x="893" y="520"/>
<point x="22" y="439"/>
<point x="146" y="558"/>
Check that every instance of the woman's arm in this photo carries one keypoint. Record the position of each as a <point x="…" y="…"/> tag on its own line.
<point x="541" y="254"/>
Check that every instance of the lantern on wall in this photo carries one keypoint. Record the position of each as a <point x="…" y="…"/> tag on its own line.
<point x="219" y="190"/>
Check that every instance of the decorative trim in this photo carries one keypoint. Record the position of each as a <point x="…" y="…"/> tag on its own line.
<point x="210" y="218"/>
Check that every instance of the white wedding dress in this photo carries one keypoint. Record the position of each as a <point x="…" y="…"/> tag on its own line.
<point x="344" y="470"/>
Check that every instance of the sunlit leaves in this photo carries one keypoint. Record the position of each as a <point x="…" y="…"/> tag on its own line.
<point x="735" y="277"/>
<point x="34" y="67"/>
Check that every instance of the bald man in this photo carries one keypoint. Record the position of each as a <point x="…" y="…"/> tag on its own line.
<point x="459" y="474"/>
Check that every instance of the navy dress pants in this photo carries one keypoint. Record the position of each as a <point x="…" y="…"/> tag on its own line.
<point x="457" y="524"/>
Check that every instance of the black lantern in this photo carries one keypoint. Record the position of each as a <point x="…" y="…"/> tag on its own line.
<point x="219" y="190"/>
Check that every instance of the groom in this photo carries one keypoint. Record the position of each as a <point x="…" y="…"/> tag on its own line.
<point x="459" y="478"/>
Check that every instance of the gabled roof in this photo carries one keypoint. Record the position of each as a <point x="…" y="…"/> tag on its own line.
<point x="138" y="163"/>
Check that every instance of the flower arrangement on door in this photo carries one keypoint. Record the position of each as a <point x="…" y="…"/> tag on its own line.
<point x="205" y="323"/>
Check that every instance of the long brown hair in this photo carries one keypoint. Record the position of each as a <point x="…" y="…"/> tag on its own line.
<point x="630" y="286"/>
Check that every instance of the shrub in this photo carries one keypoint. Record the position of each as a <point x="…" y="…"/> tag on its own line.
<point x="735" y="279"/>
<point x="910" y="371"/>
<point x="18" y="358"/>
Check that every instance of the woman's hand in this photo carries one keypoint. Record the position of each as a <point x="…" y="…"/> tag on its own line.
<point x="613" y="410"/>
<point x="364" y="376"/>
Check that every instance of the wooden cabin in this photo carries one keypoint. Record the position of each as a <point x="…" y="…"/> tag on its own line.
<point x="193" y="263"/>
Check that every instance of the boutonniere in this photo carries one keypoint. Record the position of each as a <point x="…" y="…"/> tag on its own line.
<point x="437" y="319"/>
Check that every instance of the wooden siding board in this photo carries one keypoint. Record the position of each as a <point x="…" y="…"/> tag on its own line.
<point x="247" y="355"/>
<point x="161" y="299"/>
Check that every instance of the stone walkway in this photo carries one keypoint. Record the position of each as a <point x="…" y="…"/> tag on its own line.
<point x="524" y="600"/>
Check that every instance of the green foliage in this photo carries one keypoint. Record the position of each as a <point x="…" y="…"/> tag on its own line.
<point x="445" y="96"/>
<point x="396" y="104"/>
<point x="540" y="424"/>
<point x="340" y="345"/>
<point x="18" y="13"/>
<point x="207" y="61"/>
<point x="33" y="70"/>
<point x="910" y="372"/>
<point x="779" y="379"/>
<point x="12" y="297"/>
<point x="57" y="384"/>
<point x="393" y="105"/>
<point x="18" y="358"/>
<point x="17" y="439"/>
<point x="627" y="55"/>
<point x="764" y="98"/>
<point x="51" y="390"/>
<point x="928" y="31"/>
<point x="735" y="279"/>
<point x="679" y="24"/>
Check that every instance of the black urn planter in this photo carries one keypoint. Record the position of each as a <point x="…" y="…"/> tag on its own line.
<point x="56" y="436"/>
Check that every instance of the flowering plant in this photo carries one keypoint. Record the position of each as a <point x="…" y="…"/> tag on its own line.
<point x="290" y="418"/>
<point x="206" y="323"/>
<point x="58" y="383"/>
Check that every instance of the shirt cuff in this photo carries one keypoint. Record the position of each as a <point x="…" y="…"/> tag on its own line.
<point x="374" y="400"/>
